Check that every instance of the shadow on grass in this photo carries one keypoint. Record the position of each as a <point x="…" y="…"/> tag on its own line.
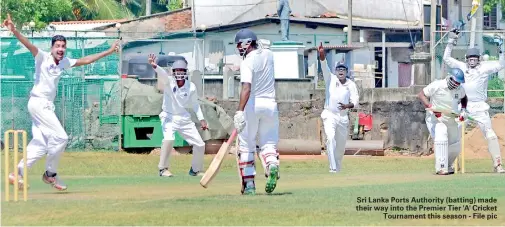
<point x="275" y="193"/>
<point x="65" y="192"/>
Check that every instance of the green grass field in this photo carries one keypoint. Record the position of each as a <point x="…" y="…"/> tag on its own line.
<point x="124" y="189"/>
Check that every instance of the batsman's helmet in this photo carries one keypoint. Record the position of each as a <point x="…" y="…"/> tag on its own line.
<point x="457" y="75"/>
<point x="243" y="39"/>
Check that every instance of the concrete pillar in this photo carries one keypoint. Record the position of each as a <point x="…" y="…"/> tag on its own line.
<point x="312" y="62"/>
<point x="228" y="83"/>
<point x="362" y="36"/>
<point x="196" y="78"/>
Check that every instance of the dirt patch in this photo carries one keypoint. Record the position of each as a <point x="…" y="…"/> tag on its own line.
<point x="476" y="144"/>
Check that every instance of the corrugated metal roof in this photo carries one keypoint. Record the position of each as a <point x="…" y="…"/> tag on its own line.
<point x="388" y="25"/>
<point x="233" y="11"/>
<point x="332" y="22"/>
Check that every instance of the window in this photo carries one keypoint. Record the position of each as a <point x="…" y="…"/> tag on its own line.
<point x="490" y="19"/>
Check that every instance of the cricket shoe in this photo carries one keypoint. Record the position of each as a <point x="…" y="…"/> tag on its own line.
<point x="272" y="178"/>
<point x="499" y="169"/>
<point x="249" y="188"/>
<point x="165" y="173"/>
<point x="451" y="170"/>
<point x="20" y="181"/>
<point x="193" y="173"/>
<point x="442" y="172"/>
<point x="55" y="181"/>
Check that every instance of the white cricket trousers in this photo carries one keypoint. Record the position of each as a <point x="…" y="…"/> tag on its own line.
<point x="49" y="137"/>
<point x="187" y="129"/>
<point x="479" y="112"/>
<point x="336" y="128"/>
<point x="262" y="120"/>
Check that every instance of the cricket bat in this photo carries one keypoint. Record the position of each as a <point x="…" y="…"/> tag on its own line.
<point x="213" y="169"/>
<point x="448" y="112"/>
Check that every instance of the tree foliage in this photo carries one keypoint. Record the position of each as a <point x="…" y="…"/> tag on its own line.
<point x="43" y="12"/>
<point x="39" y="11"/>
<point x="489" y="4"/>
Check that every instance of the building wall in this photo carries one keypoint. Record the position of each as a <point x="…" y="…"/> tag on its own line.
<point x="147" y="27"/>
<point x="453" y="13"/>
<point x="308" y="36"/>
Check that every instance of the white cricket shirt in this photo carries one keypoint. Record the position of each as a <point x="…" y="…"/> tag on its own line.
<point x="48" y="74"/>
<point x="176" y="99"/>
<point x="476" y="79"/>
<point x="337" y="92"/>
<point x="443" y="98"/>
<point x="258" y="69"/>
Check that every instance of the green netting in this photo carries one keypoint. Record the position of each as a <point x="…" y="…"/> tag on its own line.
<point x="489" y="48"/>
<point x="82" y="91"/>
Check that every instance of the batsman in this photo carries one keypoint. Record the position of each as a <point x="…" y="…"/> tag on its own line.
<point x="476" y="75"/>
<point x="445" y="94"/>
<point x="257" y="115"/>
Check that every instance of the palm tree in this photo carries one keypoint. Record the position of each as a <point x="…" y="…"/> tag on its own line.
<point x="100" y="9"/>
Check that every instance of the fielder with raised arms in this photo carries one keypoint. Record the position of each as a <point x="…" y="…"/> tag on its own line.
<point x="179" y="94"/>
<point x="476" y="84"/>
<point x="49" y="137"/>
<point x="257" y="112"/>
<point x="341" y="95"/>
<point x="445" y="94"/>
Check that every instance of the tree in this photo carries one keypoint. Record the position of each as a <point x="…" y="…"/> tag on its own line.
<point x="489" y="4"/>
<point x="172" y="4"/>
<point x="39" y="11"/>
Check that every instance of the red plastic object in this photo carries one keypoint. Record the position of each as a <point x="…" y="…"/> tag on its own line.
<point x="124" y="76"/>
<point x="365" y="120"/>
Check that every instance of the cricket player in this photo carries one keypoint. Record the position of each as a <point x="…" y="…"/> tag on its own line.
<point x="341" y="95"/>
<point x="179" y="94"/>
<point x="477" y="73"/>
<point x="49" y="137"/>
<point x="257" y="112"/>
<point x="445" y="94"/>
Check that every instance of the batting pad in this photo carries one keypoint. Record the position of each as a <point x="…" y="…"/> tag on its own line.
<point x="441" y="155"/>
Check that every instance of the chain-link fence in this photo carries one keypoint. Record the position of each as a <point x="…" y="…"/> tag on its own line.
<point x="89" y="103"/>
<point x="78" y="103"/>
<point x="487" y="42"/>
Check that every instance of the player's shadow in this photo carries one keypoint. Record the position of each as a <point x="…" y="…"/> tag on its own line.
<point x="64" y="192"/>
<point x="275" y="193"/>
<point x="478" y="172"/>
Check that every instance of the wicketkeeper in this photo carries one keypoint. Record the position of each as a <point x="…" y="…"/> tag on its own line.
<point x="179" y="94"/>
<point x="477" y="75"/>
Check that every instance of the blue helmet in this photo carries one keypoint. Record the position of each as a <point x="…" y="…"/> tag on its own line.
<point x="243" y="39"/>
<point x="457" y="75"/>
<point x="244" y="36"/>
